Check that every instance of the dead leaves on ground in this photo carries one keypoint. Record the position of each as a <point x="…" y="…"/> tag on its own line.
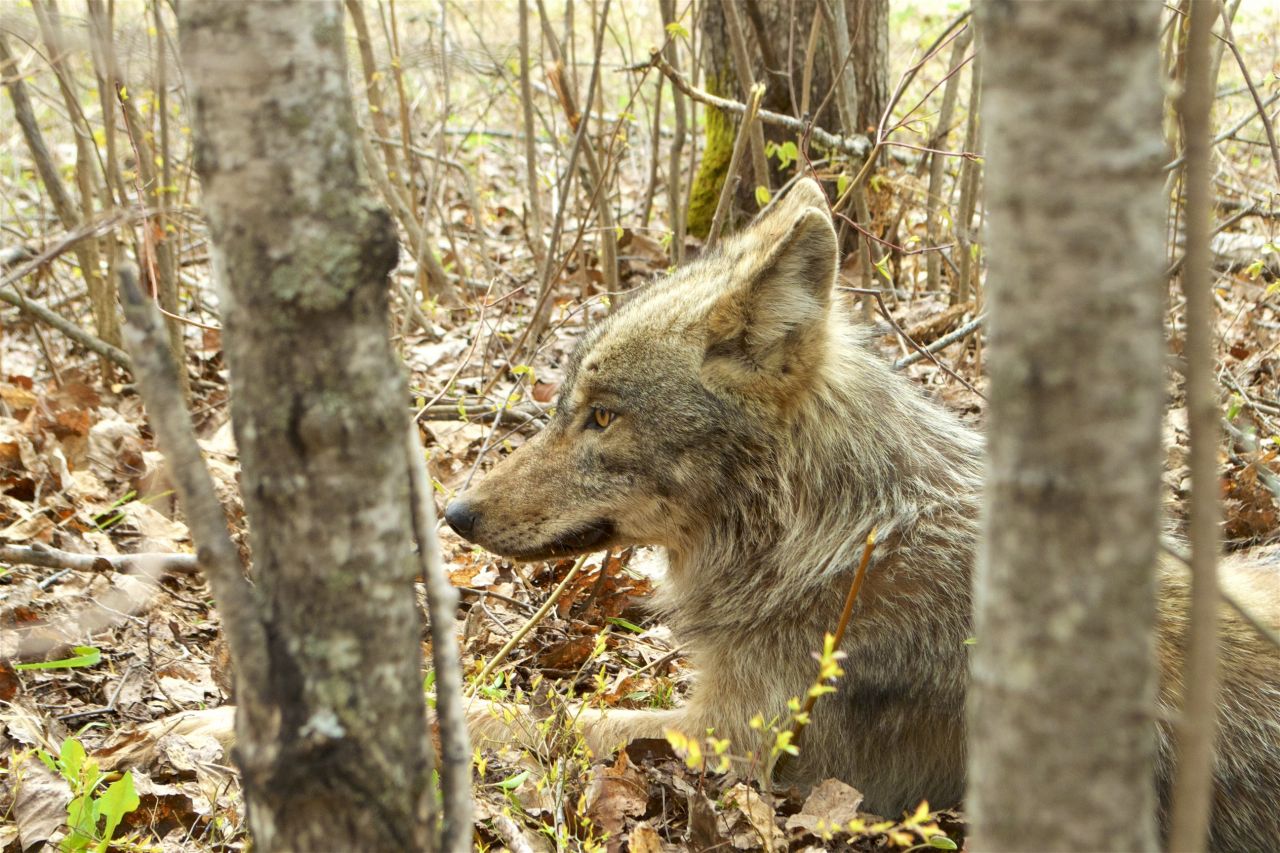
<point x="648" y="799"/>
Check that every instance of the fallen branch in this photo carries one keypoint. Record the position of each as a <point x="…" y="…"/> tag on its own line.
<point x="857" y="146"/>
<point x="516" y="416"/>
<point x="53" y="558"/>
<point x="942" y="343"/>
<point x="49" y="317"/>
<point x="921" y="351"/>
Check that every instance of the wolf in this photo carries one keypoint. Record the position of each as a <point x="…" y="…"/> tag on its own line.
<point x="734" y="415"/>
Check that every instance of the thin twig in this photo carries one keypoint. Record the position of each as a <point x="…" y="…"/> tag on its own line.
<point x="1228" y="133"/>
<point x="530" y="143"/>
<point x="529" y="625"/>
<point x="838" y="637"/>
<point x="675" y="209"/>
<point x="969" y="175"/>
<point x="731" y="176"/>
<point x="158" y="382"/>
<point x="1253" y="90"/>
<point x="442" y="604"/>
<point x="933" y="275"/>
<point x="108" y="708"/>
<point x="915" y="346"/>
<point x="942" y="343"/>
<point x="856" y="145"/>
<point x="746" y="82"/>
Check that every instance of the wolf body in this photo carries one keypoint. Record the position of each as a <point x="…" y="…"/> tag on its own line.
<point x="733" y="414"/>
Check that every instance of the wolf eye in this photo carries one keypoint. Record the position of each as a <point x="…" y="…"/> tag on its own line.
<point x="600" y="418"/>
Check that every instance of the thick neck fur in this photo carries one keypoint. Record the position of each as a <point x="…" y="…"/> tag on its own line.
<point x="861" y="449"/>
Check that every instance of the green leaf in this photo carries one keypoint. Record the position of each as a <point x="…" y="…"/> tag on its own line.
<point x="762" y="196"/>
<point x="787" y="153"/>
<point x="118" y="800"/>
<point x="85" y="656"/>
<point x="513" y="782"/>
<point x="941" y="842"/>
<point x="1237" y="403"/>
<point x="842" y="184"/>
<point x="623" y="623"/>
<point x="882" y="266"/>
<point x="675" y="28"/>
<point x="80" y="823"/>
<point x="71" y="760"/>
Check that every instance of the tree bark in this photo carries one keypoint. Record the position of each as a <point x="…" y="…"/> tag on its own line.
<point x="332" y="752"/>
<point x="1063" y="701"/>
<point x="777" y="33"/>
<point x="869" y="34"/>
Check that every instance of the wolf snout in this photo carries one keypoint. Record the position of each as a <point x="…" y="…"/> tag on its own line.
<point x="461" y="516"/>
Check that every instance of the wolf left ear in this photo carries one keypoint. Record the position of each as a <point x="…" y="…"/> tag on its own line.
<point x="767" y="331"/>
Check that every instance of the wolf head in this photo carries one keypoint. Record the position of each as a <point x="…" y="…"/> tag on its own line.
<point x="671" y="399"/>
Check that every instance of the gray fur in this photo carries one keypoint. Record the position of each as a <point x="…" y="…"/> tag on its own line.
<point x="759" y="440"/>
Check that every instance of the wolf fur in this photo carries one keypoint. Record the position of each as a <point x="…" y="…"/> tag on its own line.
<point x="758" y="440"/>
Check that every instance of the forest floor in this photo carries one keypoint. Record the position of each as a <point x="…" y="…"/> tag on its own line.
<point x="102" y="658"/>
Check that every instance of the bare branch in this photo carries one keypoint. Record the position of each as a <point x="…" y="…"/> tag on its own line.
<point x="157" y="377"/>
<point x="442" y="603"/>
<point x="856" y="145"/>
<point x="54" y="558"/>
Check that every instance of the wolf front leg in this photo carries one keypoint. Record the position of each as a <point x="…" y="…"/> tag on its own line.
<point x="498" y="724"/>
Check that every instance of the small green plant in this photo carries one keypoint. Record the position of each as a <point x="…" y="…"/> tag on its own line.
<point x="785" y="153"/>
<point x="84" y="656"/>
<point x="94" y="813"/>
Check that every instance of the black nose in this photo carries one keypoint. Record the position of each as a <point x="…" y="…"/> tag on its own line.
<point x="460" y="516"/>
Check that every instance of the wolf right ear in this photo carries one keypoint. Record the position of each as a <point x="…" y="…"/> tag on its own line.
<point x="766" y="332"/>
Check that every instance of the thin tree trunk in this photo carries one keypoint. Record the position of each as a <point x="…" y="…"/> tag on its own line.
<point x="1062" y="740"/>
<point x="1198" y="727"/>
<point x="332" y="752"/>
<point x="869" y="37"/>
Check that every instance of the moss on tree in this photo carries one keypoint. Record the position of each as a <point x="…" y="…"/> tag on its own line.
<point x="719" y="132"/>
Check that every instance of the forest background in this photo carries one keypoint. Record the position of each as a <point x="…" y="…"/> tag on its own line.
<point x="539" y="163"/>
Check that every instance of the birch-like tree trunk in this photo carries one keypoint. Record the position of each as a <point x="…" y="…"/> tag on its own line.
<point x="332" y="750"/>
<point x="1062" y="740"/>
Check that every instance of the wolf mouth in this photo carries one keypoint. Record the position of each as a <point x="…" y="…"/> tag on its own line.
<point x="579" y="540"/>
<point x="582" y="538"/>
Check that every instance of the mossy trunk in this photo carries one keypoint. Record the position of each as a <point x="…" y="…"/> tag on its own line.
<point x="777" y="35"/>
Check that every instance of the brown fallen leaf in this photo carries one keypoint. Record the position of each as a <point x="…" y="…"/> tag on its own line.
<point x="755" y="828"/>
<point x="830" y="804"/>
<point x="39" y="801"/>
<point x="645" y="839"/>
<point x="614" y="794"/>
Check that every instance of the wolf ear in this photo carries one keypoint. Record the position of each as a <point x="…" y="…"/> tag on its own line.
<point x="765" y="333"/>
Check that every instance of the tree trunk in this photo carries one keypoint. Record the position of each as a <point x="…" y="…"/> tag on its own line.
<point x="1063" y="701"/>
<point x="869" y="34"/>
<point x="333" y="754"/>
<point x="777" y="35"/>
